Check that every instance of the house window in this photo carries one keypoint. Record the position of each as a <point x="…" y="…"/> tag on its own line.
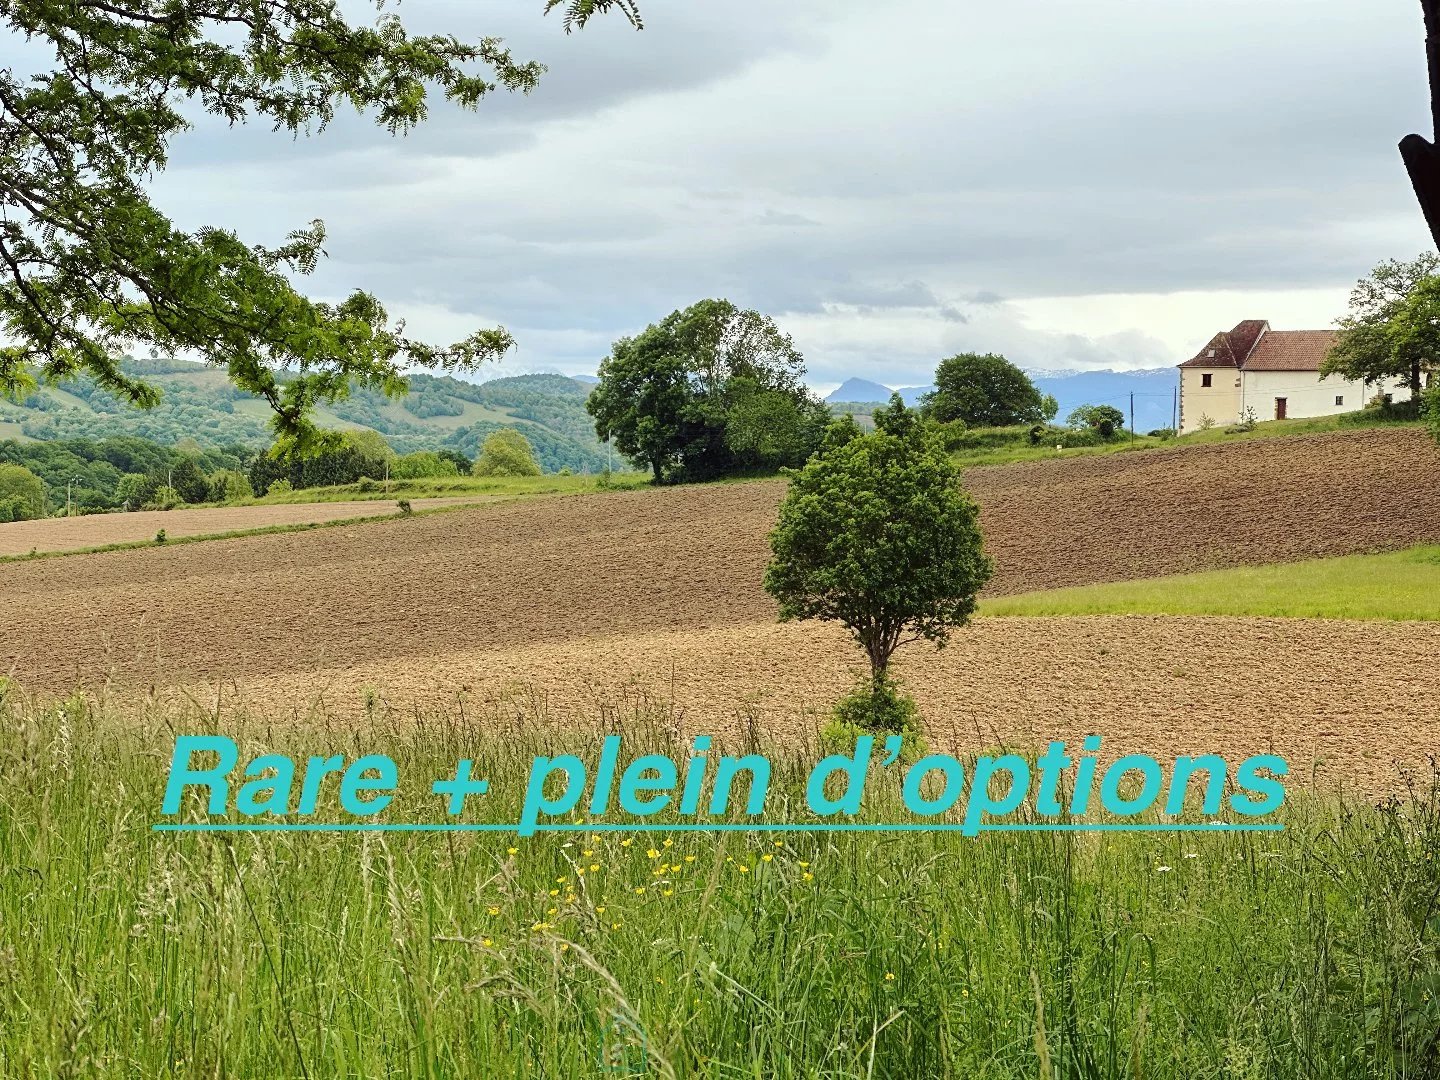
<point x="1205" y="379"/>
<point x="1339" y="399"/>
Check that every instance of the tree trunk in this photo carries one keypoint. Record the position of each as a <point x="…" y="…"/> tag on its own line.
<point x="1415" y="380"/>
<point x="655" y="465"/>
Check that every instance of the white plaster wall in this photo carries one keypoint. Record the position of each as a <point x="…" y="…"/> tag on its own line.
<point x="1306" y="394"/>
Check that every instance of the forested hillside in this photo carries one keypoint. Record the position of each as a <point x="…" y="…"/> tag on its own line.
<point x="200" y="403"/>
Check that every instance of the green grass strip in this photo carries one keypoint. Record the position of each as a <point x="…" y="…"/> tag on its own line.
<point x="1393" y="585"/>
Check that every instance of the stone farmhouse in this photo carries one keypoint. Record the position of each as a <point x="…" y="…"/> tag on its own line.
<point x="1274" y="372"/>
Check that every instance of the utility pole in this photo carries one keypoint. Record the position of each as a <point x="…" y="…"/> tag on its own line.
<point x="1175" y="409"/>
<point x="1132" y="417"/>
<point x="68" y="486"/>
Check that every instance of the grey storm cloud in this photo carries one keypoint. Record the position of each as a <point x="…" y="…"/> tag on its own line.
<point x="837" y="162"/>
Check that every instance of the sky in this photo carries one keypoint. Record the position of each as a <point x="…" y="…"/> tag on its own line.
<point x="1075" y="185"/>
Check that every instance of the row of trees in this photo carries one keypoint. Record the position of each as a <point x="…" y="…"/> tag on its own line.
<point x="365" y="455"/>
<point x="714" y="390"/>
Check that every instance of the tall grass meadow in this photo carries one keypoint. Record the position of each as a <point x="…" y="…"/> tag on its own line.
<point x="130" y="953"/>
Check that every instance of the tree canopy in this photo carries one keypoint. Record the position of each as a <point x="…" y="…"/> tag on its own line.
<point x="985" y="390"/>
<point x="90" y="266"/>
<point x="506" y="453"/>
<point x="1390" y="333"/>
<point x="707" y="391"/>
<point x="1104" y="420"/>
<point x="877" y="533"/>
<point x="22" y="495"/>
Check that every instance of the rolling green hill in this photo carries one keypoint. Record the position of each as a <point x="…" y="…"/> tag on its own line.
<point x="200" y="403"/>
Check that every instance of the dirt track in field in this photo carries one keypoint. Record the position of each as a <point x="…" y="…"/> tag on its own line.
<point x="554" y="590"/>
<point x="99" y="530"/>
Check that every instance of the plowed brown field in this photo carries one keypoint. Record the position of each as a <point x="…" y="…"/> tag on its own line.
<point x="574" y="595"/>
<point x="99" y="530"/>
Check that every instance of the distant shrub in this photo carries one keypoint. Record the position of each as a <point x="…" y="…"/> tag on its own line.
<point x="165" y="498"/>
<point x="506" y="453"/>
<point x="1164" y="434"/>
<point x="230" y="485"/>
<point x="1247" y="423"/>
<point x="1206" y="421"/>
<point x="366" y="484"/>
<point x="1382" y="408"/>
<point x="404" y="505"/>
<point x="951" y="434"/>
<point x="160" y="537"/>
<point x="280" y="487"/>
<point x="423" y="464"/>
<point x="1104" y="420"/>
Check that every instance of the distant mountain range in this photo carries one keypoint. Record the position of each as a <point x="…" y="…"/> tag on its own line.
<point x="1153" y="389"/>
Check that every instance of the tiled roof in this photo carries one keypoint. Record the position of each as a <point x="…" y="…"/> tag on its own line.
<point x="1291" y="350"/>
<point x="1230" y="348"/>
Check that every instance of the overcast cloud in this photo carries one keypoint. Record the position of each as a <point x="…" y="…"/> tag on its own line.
<point x="1076" y="185"/>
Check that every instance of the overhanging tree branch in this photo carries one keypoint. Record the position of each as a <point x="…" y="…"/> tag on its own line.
<point x="1422" y="159"/>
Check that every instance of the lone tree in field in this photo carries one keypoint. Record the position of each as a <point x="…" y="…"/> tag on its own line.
<point x="92" y="94"/>
<point x="985" y="391"/>
<point x="506" y="453"/>
<point x="705" y="392"/>
<point x="877" y="534"/>
<point x="1390" y="334"/>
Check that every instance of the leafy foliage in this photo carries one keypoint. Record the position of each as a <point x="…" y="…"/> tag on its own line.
<point x="22" y="495"/>
<point x="1105" y="420"/>
<point x="506" y="453"/>
<point x="205" y="407"/>
<point x="89" y="266"/>
<point x="705" y="392"/>
<point x="985" y="391"/>
<point x="1391" y="331"/>
<point x="877" y="705"/>
<point x="105" y="474"/>
<point x="353" y="457"/>
<point x="876" y="533"/>
<point x="424" y="463"/>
